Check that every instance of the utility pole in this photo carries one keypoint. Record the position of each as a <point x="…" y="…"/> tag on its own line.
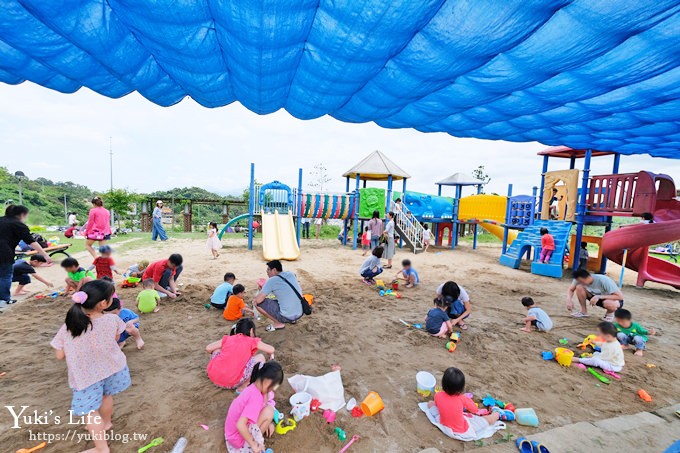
<point x="65" y="209"/>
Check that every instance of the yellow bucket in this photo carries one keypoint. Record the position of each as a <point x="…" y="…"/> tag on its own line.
<point x="564" y="356"/>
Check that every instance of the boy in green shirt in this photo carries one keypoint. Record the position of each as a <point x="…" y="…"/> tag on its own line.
<point x="76" y="276"/>
<point x="630" y="332"/>
<point x="148" y="298"/>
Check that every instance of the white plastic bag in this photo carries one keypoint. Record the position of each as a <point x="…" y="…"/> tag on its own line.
<point x="327" y="388"/>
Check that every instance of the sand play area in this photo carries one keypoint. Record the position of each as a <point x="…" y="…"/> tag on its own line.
<point x="171" y="395"/>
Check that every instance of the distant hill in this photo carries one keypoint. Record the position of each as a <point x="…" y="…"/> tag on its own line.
<point x="45" y="199"/>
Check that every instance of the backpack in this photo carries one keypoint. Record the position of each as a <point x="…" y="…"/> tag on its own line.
<point x="39" y="239"/>
<point x="306" y="308"/>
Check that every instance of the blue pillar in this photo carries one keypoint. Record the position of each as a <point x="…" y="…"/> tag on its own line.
<point x="454" y="230"/>
<point x="507" y="212"/>
<point x="403" y="190"/>
<point x="572" y="163"/>
<point x="251" y="206"/>
<point x="299" y="207"/>
<point x="474" y="238"/>
<point x="439" y="190"/>
<point x="543" y="171"/>
<point x="389" y="195"/>
<point x="356" y="214"/>
<point x="581" y="207"/>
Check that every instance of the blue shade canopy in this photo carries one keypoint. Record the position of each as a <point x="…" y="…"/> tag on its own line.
<point x="581" y="73"/>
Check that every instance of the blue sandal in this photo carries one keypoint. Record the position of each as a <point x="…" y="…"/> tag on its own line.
<point x="524" y="445"/>
<point x="539" y="447"/>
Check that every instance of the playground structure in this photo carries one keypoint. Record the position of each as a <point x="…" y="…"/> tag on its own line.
<point x="596" y="202"/>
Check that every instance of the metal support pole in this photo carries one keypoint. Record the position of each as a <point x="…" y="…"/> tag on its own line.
<point x="454" y="229"/>
<point x="474" y="238"/>
<point x="251" y="206"/>
<point x="389" y="195"/>
<point x="507" y="212"/>
<point x="608" y="227"/>
<point x="298" y="209"/>
<point x="581" y="207"/>
<point x="543" y="171"/>
<point x="356" y="214"/>
<point x="623" y="267"/>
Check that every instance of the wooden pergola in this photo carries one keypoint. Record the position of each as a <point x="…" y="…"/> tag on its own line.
<point x="150" y="201"/>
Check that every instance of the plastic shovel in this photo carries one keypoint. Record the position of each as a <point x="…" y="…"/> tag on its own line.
<point x="154" y="443"/>
<point x="351" y="441"/>
<point x="29" y="450"/>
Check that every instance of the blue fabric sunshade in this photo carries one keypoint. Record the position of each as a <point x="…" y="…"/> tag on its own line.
<point x="585" y="74"/>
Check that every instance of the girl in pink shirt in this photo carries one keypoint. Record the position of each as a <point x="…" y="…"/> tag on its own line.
<point x="233" y="369"/>
<point x="451" y="404"/>
<point x="97" y="228"/>
<point x="251" y="414"/>
<point x="97" y="368"/>
<point x="547" y="246"/>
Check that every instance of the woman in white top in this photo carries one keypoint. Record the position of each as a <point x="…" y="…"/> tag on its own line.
<point x="73" y="219"/>
<point x="389" y="237"/>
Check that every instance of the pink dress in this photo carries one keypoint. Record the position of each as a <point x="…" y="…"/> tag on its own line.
<point x="98" y="224"/>
<point x="214" y="242"/>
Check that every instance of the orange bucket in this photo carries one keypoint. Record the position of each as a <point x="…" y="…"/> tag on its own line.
<point x="372" y="404"/>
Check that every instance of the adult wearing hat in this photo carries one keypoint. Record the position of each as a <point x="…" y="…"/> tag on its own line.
<point x="157" y="229"/>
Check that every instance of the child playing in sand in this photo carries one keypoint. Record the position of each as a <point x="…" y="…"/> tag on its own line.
<point x="76" y="276"/>
<point x="610" y="357"/>
<point x="104" y="264"/>
<point x="22" y="270"/>
<point x="236" y="307"/>
<point x="583" y="256"/>
<point x="251" y="414"/>
<point x="232" y="369"/>
<point x="547" y="246"/>
<point x="137" y="270"/>
<point x="221" y="294"/>
<point x="366" y="241"/>
<point x="437" y="322"/>
<point x="214" y="243"/>
<point x="427" y="236"/>
<point x="535" y="317"/>
<point x="371" y="267"/>
<point x="97" y="368"/>
<point x="131" y="321"/>
<point x="409" y="274"/>
<point x="631" y="333"/>
<point x="448" y="410"/>
<point x="148" y="299"/>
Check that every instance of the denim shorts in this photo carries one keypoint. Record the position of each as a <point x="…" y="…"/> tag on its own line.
<point x="124" y="336"/>
<point x="271" y="306"/>
<point x="90" y="399"/>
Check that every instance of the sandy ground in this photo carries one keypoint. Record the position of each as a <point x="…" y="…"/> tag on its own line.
<point x="171" y="395"/>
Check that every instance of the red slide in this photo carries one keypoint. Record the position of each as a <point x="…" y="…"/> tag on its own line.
<point x="638" y="238"/>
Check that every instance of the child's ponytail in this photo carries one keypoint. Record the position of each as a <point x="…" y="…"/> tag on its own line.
<point x="244" y="326"/>
<point x="268" y="370"/>
<point x="77" y="321"/>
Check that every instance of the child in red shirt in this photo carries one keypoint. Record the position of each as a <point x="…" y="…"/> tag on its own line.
<point x="366" y="241"/>
<point x="451" y="403"/>
<point x="104" y="264"/>
<point x="547" y="246"/>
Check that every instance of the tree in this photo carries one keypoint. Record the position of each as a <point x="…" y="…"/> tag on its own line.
<point x="119" y="201"/>
<point x="481" y="174"/>
<point x="319" y="177"/>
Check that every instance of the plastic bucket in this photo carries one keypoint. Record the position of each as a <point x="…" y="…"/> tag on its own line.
<point x="372" y="404"/>
<point x="134" y="279"/>
<point x="425" y="383"/>
<point x="395" y="285"/>
<point x="564" y="356"/>
<point x="301" y="403"/>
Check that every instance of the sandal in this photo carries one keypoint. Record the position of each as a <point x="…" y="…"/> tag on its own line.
<point x="608" y="318"/>
<point x="578" y="314"/>
<point x="463" y="326"/>
<point x="271" y="328"/>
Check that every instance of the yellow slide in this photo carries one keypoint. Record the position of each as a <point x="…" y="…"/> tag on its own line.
<point x="278" y="237"/>
<point x="486" y="207"/>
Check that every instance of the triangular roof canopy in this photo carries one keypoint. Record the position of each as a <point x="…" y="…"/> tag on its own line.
<point x="376" y="167"/>
<point x="460" y="179"/>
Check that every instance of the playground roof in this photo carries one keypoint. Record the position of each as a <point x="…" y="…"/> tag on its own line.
<point x="566" y="152"/>
<point x="580" y="73"/>
<point x="376" y="167"/>
<point x="460" y="179"/>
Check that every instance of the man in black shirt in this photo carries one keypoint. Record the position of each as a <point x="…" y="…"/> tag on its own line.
<point x="12" y="230"/>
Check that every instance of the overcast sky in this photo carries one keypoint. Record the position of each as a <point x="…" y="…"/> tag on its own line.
<point x="66" y="137"/>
